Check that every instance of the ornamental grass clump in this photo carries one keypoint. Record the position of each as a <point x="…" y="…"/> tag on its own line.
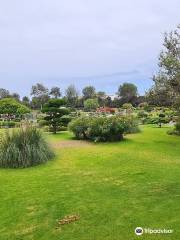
<point x="24" y="147"/>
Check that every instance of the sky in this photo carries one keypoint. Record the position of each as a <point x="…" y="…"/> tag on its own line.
<point x="82" y="42"/>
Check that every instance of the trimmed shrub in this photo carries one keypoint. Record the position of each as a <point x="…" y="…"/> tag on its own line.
<point x="7" y="124"/>
<point x="132" y="125"/>
<point x="127" y="106"/>
<point x="91" y="104"/>
<point x="65" y="120"/>
<point x="79" y="126"/>
<point x="102" y="128"/>
<point x="142" y="115"/>
<point x="176" y="130"/>
<point x="42" y="123"/>
<point x="152" y="120"/>
<point x="24" y="147"/>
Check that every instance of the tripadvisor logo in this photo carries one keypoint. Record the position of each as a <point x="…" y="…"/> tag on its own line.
<point x="139" y="231"/>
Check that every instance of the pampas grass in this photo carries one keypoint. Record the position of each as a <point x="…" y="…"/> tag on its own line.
<point x="24" y="147"/>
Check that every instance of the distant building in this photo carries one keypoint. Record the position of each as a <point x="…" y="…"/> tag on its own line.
<point x="106" y="110"/>
<point x="112" y="96"/>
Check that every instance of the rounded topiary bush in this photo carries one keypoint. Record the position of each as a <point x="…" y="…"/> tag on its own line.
<point x="22" y="148"/>
<point x="103" y="129"/>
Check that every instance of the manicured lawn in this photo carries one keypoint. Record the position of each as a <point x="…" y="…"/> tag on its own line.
<point x="113" y="187"/>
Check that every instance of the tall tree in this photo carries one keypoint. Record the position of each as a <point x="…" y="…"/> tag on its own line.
<point x="41" y="93"/>
<point x="15" y="96"/>
<point x="168" y="77"/>
<point x="159" y="97"/>
<point x="101" y="94"/>
<point x="55" y="92"/>
<point x="127" y="92"/>
<point x="108" y="101"/>
<point x="4" y="93"/>
<point x="71" y="95"/>
<point x="26" y="101"/>
<point x="89" y="92"/>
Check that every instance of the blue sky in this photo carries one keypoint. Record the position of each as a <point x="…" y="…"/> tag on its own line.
<point x="82" y="42"/>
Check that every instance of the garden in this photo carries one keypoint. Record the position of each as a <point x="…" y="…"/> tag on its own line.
<point x="88" y="166"/>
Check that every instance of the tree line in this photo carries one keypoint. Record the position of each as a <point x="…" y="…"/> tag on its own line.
<point x="164" y="92"/>
<point x="127" y="92"/>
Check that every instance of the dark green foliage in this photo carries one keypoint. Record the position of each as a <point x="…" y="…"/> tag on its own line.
<point x="4" y="93"/>
<point x="65" y="119"/>
<point x="176" y="130"/>
<point x="22" y="148"/>
<point x="127" y="92"/>
<point x="55" y="92"/>
<point x="55" y="111"/>
<point x="26" y="101"/>
<point x="89" y="92"/>
<point x="71" y="94"/>
<point x="152" y="120"/>
<point x="40" y="95"/>
<point x="161" y="119"/>
<point x="102" y="128"/>
<point x="177" y="126"/>
<point x="16" y="96"/>
<point x="7" y="124"/>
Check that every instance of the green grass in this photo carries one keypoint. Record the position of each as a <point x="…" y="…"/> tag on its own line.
<point x="114" y="187"/>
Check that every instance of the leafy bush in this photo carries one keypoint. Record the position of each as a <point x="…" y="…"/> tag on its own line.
<point x="176" y="130"/>
<point x="152" y="120"/>
<point x="79" y="127"/>
<point x="143" y="105"/>
<point x="127" y="106"/>
<point x="142" y="115"/>
<point x="91" y="104"/>
<point x="102" y="128"/>
<point x="10" y="106"/>
<point x="42" y="123"/>
<point x="7" y="124"/>
<point x="65" y="120"/>
<point x="132" y="125"/>
<point x="23" y="148"/>
<point x="177" y="126"/>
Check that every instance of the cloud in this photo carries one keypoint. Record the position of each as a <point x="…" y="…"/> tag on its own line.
<point x="62" y="41"/>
